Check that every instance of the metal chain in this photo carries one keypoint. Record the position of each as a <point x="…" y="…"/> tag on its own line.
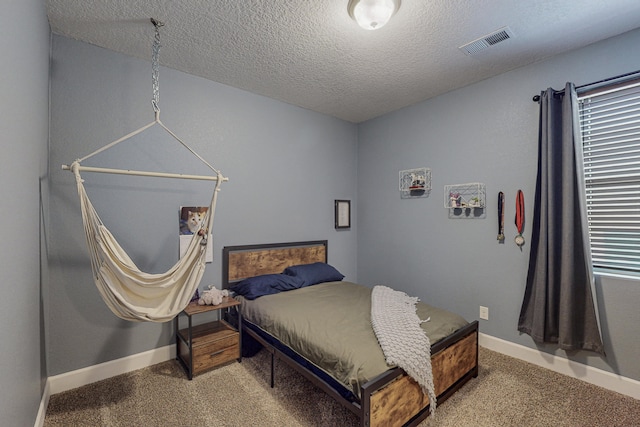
<point x="155" y="66"/>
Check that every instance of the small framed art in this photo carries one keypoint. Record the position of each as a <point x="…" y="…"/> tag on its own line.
<point x="343" y="214"/>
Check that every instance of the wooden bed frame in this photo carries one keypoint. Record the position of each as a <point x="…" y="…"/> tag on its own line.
<point x="391" y="399"/>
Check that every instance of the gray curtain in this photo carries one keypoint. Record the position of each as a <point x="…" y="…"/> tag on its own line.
<point x="559" y="305"/>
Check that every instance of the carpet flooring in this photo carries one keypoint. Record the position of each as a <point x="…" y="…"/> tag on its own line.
<point x="507" y="392"/>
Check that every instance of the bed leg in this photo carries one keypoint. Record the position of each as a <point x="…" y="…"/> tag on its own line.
<point x="272" y="368"/>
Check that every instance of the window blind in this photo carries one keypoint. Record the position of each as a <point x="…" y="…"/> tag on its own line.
<point x="610" y="128"/>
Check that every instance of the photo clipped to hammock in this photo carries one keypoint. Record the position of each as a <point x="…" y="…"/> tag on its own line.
<point x="191" y="222"/>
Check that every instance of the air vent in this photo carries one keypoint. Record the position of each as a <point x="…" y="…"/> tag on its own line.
<point x="489" y="40"/>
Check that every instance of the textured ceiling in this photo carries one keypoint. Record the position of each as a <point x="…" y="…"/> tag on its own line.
<point x="312" y="54"/>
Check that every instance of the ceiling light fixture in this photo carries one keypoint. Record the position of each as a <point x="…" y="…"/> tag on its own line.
<point x="372" y="14"/>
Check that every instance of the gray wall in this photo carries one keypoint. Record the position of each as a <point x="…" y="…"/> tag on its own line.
<point x="286" y="166"/>
<point x="24" y="49"/>
<point x="485" y="133"/>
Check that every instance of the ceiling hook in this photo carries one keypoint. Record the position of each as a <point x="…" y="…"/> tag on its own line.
<point x="157" y="23"/>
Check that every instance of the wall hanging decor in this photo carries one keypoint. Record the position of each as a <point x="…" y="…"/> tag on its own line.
<point x="465" y="200"/>
<point x="501" y="217"/>
<point x="415" y="183"/>
<point x="342" y="214"/>
<point x="519" y="218"/>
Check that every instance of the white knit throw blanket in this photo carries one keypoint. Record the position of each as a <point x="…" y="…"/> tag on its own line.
<point x="403" y="342"/>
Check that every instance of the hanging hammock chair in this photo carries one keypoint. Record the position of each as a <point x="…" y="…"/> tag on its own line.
<point x="130" y="293"/>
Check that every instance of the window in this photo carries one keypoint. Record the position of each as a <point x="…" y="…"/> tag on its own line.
<point x="610" y="127"/>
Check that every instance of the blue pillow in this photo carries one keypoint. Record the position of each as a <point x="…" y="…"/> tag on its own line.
<point x="267" y="284"/>
<point x="317" y="272"/>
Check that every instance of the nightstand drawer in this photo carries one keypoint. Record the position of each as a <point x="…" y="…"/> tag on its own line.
<point x="215" y="353"/>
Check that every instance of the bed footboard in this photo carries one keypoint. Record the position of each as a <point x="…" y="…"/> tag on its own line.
<point x="395" y="399"/>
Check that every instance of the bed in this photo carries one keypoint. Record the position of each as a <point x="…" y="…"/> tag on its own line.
<point x="377" y="394"/>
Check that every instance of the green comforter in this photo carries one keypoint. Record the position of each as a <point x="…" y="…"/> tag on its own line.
<point x="330" y="325"/>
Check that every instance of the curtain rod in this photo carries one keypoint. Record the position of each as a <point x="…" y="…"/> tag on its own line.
<point x="536" y="98"/>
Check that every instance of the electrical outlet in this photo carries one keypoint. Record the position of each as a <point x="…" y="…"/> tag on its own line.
<point x="484" y="313"/>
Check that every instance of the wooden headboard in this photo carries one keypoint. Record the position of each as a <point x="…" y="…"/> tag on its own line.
<point x="240" y="262"/>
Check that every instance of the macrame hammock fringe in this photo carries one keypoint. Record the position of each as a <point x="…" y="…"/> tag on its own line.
<point x="130" y="293"/>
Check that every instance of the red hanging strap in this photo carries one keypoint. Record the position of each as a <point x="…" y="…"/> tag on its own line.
<point x="520" y="217"/>
<point x="520" y="211"/>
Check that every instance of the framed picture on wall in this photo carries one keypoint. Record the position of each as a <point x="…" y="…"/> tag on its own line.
<point x="343" y="214"/>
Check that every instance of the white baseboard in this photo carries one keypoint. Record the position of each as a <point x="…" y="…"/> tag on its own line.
<point x="91" y="374"/>
<point x="44" y="402"/>
<point x="599" y="377"/>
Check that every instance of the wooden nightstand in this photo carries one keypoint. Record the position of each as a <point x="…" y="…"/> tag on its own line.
<point x="202" y="347"/>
